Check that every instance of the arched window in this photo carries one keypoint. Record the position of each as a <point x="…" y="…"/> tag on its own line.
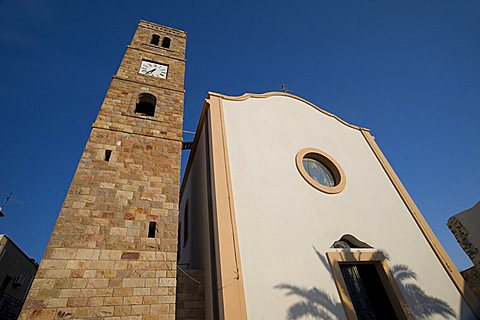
<point x="146" y="104"/>
<point x="166" y="42"/>
<point x="155" y="39"/>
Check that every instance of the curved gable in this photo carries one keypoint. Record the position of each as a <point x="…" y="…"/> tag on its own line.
<point x="247" y="96"/>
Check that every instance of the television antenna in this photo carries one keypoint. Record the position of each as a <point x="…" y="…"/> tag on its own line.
<point x="8" y="198"/>
<point x="284" y="88"/>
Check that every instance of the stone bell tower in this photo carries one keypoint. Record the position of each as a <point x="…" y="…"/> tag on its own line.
<point x="112" y="253"/>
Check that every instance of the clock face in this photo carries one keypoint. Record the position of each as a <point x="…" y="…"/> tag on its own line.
<point x="154" y="69"/>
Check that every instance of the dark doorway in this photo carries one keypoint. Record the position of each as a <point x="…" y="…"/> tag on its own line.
<point x="367" y="292"/>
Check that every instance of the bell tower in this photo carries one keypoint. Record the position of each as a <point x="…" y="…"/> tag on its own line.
<point x="113" y="250"/>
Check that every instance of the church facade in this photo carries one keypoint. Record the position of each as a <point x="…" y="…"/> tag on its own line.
<point x="294" y="213"/>
<point x="285" y="211"/>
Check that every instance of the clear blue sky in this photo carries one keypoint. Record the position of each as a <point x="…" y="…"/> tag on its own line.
<point x="408" y="70"/>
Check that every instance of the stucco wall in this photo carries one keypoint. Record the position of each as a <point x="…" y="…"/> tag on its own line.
<point x="285" y="226"/>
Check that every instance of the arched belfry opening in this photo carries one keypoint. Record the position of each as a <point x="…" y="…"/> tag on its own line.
<point x="145" y="105"/>
<point x="166" y="42"/>
<point x="155" y="39"/>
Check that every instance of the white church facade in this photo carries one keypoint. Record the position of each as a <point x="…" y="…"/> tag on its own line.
<point x="294" y="213"/>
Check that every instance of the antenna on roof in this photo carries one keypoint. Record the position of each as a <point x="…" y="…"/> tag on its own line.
<point x="5" y="203"/>
<point x="284" y="88"/>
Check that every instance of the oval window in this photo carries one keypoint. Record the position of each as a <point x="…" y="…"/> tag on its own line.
<point x="320" y="170"/>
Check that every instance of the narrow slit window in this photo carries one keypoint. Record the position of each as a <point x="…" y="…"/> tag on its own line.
<point x="155" y="39"/>
<point x="146" y="104"/>
<point x="152" y="227"/>
<point x="166" y="42"/>
<point x="108" y="154"/>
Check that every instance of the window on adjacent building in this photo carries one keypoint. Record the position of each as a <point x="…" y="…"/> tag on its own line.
<point x="5" y="283"/>
<point x="155" y="39"/>
<point x="166" y="42"/>
<point x="146" y="103"/>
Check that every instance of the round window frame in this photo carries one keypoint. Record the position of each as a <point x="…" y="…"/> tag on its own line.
<point x="327" y="161"/>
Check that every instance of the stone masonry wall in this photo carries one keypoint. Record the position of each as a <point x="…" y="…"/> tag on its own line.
<point x="472" y="275"/>
<point x="190" y="295"/>
<point x="462" y="236"/>
<point x="100" y="262"/>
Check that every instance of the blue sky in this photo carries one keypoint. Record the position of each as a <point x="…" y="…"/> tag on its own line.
<point x="408" y="70"/>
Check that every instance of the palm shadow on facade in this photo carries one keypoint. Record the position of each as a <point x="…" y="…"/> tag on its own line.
<point x="421" y="304"/>
<point x="317" y="304"/>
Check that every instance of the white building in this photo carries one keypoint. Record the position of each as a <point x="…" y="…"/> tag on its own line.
<point x="294" y="213"/>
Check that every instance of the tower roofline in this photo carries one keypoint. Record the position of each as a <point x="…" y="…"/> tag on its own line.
<point x="155" y="26"/>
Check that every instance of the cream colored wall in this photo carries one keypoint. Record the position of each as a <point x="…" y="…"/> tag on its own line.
<point x="282" y="220"/>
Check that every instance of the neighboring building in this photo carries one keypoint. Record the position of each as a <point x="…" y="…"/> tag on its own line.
<point x="16" y="274"/>
<point x="286" y="211"/>
<point x="465" y="226"/>
<point x="292" y="212"/>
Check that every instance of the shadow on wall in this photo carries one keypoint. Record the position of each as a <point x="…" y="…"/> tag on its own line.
<point x="319" y="305"/>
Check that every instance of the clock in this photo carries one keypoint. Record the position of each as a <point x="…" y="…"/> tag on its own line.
<point x="153" y="69"/>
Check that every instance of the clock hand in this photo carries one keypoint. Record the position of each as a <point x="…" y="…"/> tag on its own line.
<point x="150" y="71"/>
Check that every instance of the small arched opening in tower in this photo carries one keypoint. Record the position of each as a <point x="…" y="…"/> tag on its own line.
<point x="155" y="39"/>
<point x="166" y="42"/>
<point x="146" y="103"/>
